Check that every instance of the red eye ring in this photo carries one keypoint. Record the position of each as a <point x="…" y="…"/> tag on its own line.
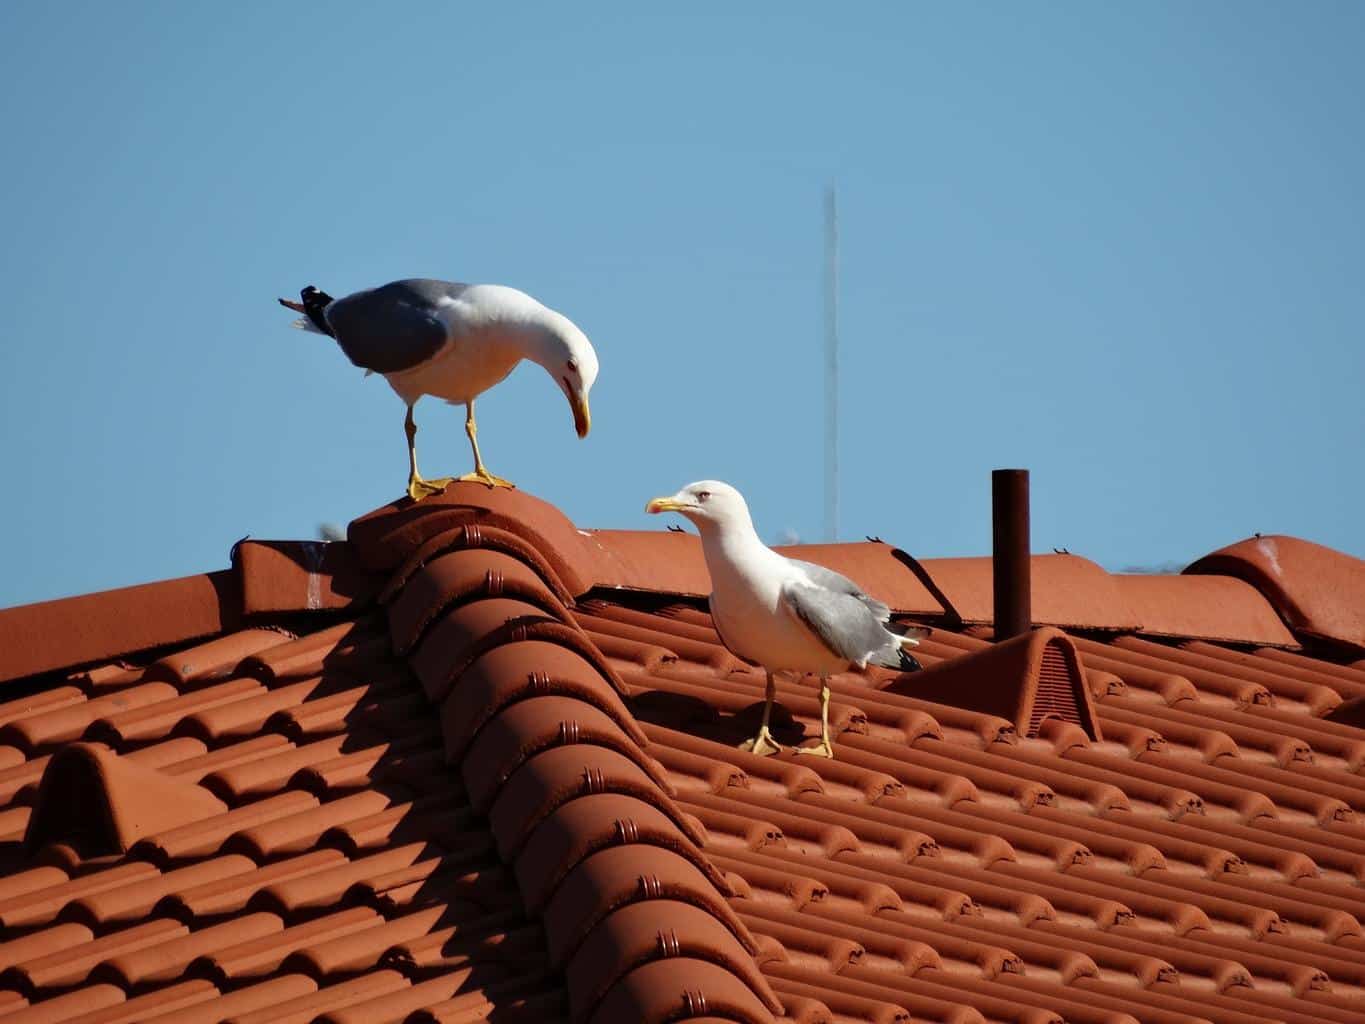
<point x="703" y="495"/>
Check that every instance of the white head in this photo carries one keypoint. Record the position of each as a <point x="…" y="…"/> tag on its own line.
<point x="710" y="504"/>
<point x="568" y="357"/>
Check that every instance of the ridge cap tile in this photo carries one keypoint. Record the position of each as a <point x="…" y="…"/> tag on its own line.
<point x="1068" y="591"/>
<point x="87" y="628"/>
<point x="557" y="774"/>
<point x="1319" y="592"/>
<point x="385" y="538"/>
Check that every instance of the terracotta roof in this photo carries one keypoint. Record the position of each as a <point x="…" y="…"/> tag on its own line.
<point x="476" y="764"/>
<point x="1316" y="589"/>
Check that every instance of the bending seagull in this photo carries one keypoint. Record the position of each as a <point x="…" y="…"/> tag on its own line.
<point x="784" y="614"/>
<point x="452" y="341"/>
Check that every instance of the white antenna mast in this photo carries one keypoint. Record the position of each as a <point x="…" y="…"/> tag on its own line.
<point x="831" y="365"/>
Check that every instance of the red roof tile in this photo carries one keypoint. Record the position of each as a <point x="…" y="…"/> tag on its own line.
<point x="1203" y="607"/>
<point x="102" y="804"/>
<point x="512" y="789"/>
<point x="1318" y="591"/>
<point x="1024" y="680"/>
<point x="97" y="627"/>
<point x="1068" y="591"/>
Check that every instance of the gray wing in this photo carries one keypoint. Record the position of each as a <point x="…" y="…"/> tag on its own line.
<point x="843" y="623"/>
<point x="393" y="327"/>
<point x="840" y="584"/>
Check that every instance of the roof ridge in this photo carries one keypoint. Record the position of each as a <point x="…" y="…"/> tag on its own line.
<point x="535" y="721"/>
<point x="1317" y="590"/>
<point x="267" y="580"/>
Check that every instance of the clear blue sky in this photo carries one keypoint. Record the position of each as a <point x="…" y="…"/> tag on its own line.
<point x="1119" y="244"/>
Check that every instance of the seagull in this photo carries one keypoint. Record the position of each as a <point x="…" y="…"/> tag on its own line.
<point x="452" y="341"/>
<point x="784" y="614"/>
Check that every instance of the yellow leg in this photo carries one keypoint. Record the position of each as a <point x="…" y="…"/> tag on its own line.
<point x="763" y="744"/>
<point x="480" y="474"/>
<point x="824" y="748"/>
<point x="417" y="487"/>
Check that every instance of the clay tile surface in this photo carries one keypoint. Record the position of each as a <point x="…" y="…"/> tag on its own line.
<point x="301" y="576"/>
<point x="99" y="803"/>
<point x="99" y="627"/>
<point x="1068" y="591"/>
<point x="388" y="536"/>
<point x="1027" y="680"/>
<point x="1318" y="591"/>
<point x="479" y="764"/>
<point x="649" y="560"/>
<point x="1204" y="607"/>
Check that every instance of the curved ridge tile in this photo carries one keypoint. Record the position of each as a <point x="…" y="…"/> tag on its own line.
<point x="639" y="933"/>
<point x="622" y="875"/>
<point x="527" y="727"/>
<point x="524" y="669"/>
<point x="386" y="537"/>
<point x="678" y="989"/>
<point x="457" y="577"/>
<point x="463" y="634"/>
<point x="534" y="717"/>
<point x="469" y="536"/>
<point x="561" y="774"/>
<point x="438" y="673"/>
<point x="1318" y="591"/>
<point x="582" y="827"/>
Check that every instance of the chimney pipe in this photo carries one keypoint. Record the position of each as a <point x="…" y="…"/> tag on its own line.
<point x="1009" y="513"/>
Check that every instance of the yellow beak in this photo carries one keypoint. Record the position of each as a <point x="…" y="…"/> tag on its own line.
<point x="582" y="417"/>
<point x="658" y="505"/>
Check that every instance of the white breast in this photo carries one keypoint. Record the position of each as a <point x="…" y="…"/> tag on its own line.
<point x="746" y="605"/>
<point x="464" y="369"/>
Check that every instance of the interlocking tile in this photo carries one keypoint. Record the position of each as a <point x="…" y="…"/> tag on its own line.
<point x="477" y="763"/>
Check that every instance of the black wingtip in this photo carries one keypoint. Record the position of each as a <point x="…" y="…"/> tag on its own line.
<point x="314" y="302"/>
<point x="908" y="663"/>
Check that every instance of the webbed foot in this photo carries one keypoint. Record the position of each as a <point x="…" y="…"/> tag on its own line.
<point x="763" y="744"/>
<point x="419" y="488"/>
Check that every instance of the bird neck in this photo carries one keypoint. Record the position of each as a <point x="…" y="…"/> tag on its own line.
<point x="540" y="340"/>
<point x="735" y="541"/>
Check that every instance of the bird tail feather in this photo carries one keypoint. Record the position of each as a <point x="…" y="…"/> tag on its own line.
<point x="314" y="303"/>
<point x="894" y="655"/>
<point x="304" y="324"/>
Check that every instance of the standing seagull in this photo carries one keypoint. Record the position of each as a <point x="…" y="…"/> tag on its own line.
<point x="453" y="341"/>
<point x="784" y="614"/>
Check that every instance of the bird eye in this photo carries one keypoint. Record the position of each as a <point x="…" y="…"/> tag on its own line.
<point x="573" y="366"/>
<point x="703" y="495"/>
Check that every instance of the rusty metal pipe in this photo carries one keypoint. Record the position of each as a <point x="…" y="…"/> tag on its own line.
<point x="1010" y="558"/>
